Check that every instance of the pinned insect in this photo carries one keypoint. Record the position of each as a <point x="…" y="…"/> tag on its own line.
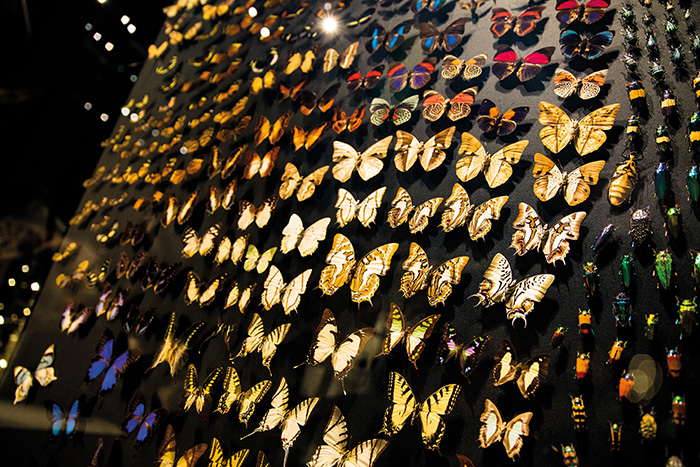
<point x="652" y="45"/>
<point x="662" y="180"/>
<point x="673" y="362"/>
<point x="696" y="86"/>
<point x="687" y="315"/>
<point x="657" y="71"/>
<point x="630" y="35"/>
<point x="584" y="322"/>
<point x="695" y="45"/>
<point x="696" y="267"/>
<point x="650" y="325"/>
<point x="673" y="222"/>
<point x="591" y="277"/>
<point x="677" y="56"/>
<point x="647" y="426"/>
<point x="603" y="237"/>
<point x="568" y="455"/>
<point x="578" y="413"/>
<point x="630" y="62"/>
<point x="694" y="132"/>
<point x="678" y="408"/>
<point x="558" y="336"/>
<point x="671" y="28"/>
<point x="636" y="93"/>
<point x="662" y="138"/>
<point x="627" y="16"/>
<point x="632" y="132"/>
<point x="640" y="227"/>
<point x="668" y="104"/>
<point x="663" y="268"/>
<point x="616" y="351"/>
<point x="692" y="183"/>
<point x="622" y="310"/>
<point x="583" y="363"/>
<point x="627" y="270"/>
<point x="615" y="436"/>
<point x="626" y="385"/>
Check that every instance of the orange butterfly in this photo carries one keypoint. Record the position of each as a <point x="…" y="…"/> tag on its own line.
<point x="264" y="129"/>
<point x="254" y="164"/>
<point x="309" y="101"/>
<point x="291" y="91"/>
<point x="307" y="139"/>
<point x="342" y="122"/>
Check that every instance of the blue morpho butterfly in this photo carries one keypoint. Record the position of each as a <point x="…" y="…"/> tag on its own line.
<point x="106" y="362"/>
<point x="137" y="420"/>
<point x="573" y="44"/>
<point x="64" y="422"/>
<point x="432" y="5"/>
<point x="390" y="40"/>
<point x="448" y="38"/>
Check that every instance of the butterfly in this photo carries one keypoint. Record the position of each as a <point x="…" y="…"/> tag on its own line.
<point x="266" y="81"/>
<point x="291" y="92"/>
<point x="341" y="122"/>
<point x="399" y="75"/>
<point x="511" y="433"/>
<point x="235" y="295"/>
<point x="105" y="361"/>
<point x="527" y="375"/>
<point x="258" y="341"/>
<point x="198" y="396"/>
<point x="156" y="51"/>
<point x="204" y="296"/>
<point x="71" y="319"/>
<point x="92" y="278"/>
<point x="174" y="351"/>
<point x="129" y="267"/>
<point x="133" y="234"/>
<point x="167" y="452"/>
<point x="471" y="5"/>
<point x="44" y="375"/>
<point x="255" y="260"/>
<point x="63" y="280"/>
<point x="326" y="344"/>
<point x="466" y="355"/>
<point x="137" y="420"/>
<point x="405" y="407"/>
<point x="575" y="185"/>
<point x="459" y="211"/>
<point x="392" y="40"/>
<point x="349" y="207"/>
<point x="62" y="421"/>
<point x="431" y="154"/>
<point x="58" y="257"/>
<point x="590" y="12"/>
<point x="503" y="21"/>
<point x="496" y="168"/>
<point x="254" y="164"/>
<point x="295" y="61"/>
<point x="289" y="294"/>
<point x="520" y="297"/>
<point x="381" y="110"/>
<point x="195" y="244"/>
<point x="181" y="212"/>
<point x="246" y="401"/>
<point x="432" y="5"/>
<point x="216" y="456"/>
<point x="587" y="133"/>
<point x="261" y="215"/>
<point x="472" y="68"/>
<point x="588" y="87"/>
<point x="159" y="277"/>
<point x="272" y="131"/>
<point x="109" y="234"/>
<point x="309" y="101"/>
<point x="413" y="336"/>
<point x="344" y="59"/>
<point x="402" y="210"/>
<point x="110" y="302"/>
<point x="420" y="274"/>
<point x="457" y="108"/>
<point x="367" y="163"/>
<point x="305" y="187"/>
<point x="305" y="240"/>
<point x="137" y="321"/>
<point x="97" y="457"/>
<point x="491" y="119"/>
<point x="217" y="199"/>
<point x="370" y="80"/>
<point x="335" y="451"/>
<point x="307" y="139"/>
<point x="572" y="44"/>
<point x="365" y="272"/>
<point x="507" y="63"/>
<point x="447" y="39"/>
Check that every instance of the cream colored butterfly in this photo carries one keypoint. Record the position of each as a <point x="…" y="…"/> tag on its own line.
<point x="575" y="185"/>
<point x="235" y="295"/>
<point x="233" y="394"/>
<point x="587" y="133"/>
<point x="365" y="211"/>
<point x="511" y="433"/>
<point x="418" y="217"/>
<point x="234" y="250"/>
<point x="261" y="215"/>
<point x="459" y="211"/>
<point x="258" y="341"/>
<point x="305" y="240"/>
<point x="367" y="163"/>
<point x="255" y="260"/>
<point x="195" y="244"/>
<point x="44" y="375"/>
<point x="496" y="168"/>
<point x="276" y="291"/>
<point x="431" y="154"/>
<point x="305" y="186"/>
<point x="420" y="274"/>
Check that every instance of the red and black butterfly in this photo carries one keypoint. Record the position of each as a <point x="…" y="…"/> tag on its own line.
<point x="368" y="81"/>
<point x="523" y="24"/>
<point x="507" y="63"/>
<point x="309" y="101"/>
<point x="491" y="119"/>
<point x="391" y="40"/>
<point x="399" y="75"/>
<point x="449" y="38"/>
<point x="590" y="12"/>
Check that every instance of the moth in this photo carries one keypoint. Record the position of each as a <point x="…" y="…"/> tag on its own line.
<point x="403" y="210"/>
<point x="420" y="274"/>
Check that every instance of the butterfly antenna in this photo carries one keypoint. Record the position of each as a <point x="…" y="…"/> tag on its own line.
<point x="257" y="430"/>
<point x="301" y="364"/>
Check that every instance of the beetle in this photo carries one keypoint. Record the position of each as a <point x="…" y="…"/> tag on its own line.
<point x="616" y="351"/>
<point x="647" y="426"/>
<point x="583" y="363"/>
<point x="578" y="413"/>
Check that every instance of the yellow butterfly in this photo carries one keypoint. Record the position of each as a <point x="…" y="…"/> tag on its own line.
<point x="305" y="187"/>
<point x="289" y="294"/>
<point x="266" y="81"/>
<point x="305" y="240"/>
<point x="257" y="261"/>
<point x="345" y="59"/>
<point x="258" y="341"/>
<point x="198" y="396"/>
<point x="413" y="336"/>
<point x="260" y="215"/>
<point x="235" y="295"/>
<point x="431" y="154"/>
<point x="65" y="254"/>
<point x="527" y="374"/>
<point x="174" y="351"/>
<point x="342" y="354"/>
<point x="349" y="207"/>
<point x="367" y="163"/>
<point x="496" y="168"/>
<point x="365" y="273"/>
<point x="216" y="456"/>
<point x="195" y="244"/>
<point x="405" y="407"/>
<point x="181" y="212"/>
<point x="167" y="452"/>
<point x="459" y="211"/>
<point x="204" y="296"/>
<point x="588" y="133"/>
<point x="217" y="198"/>
<point x="420" y="274"/>
<point x="296" y="61"/>
<point x="402" y="208"/>
<point x="234" y="250"/>
<point x="494" y="429"/>
<point x="335" y="451"/>
<point x="233" y="394"/>
<point x="575" y="185"/>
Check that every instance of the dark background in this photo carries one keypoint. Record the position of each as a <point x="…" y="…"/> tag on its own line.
<point x="366" y="384"/>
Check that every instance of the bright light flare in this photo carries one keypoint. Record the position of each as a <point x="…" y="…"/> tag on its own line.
<point x="329" y="24"/>
<point x="264" y="32"/>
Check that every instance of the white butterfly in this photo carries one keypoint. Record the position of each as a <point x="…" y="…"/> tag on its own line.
<point x="195" y="244"/>
<point x="44" y="375"/>
<point x="511" y="433"/>
<point x="402" y="210"/>
<point x="365" y="211"/>
<point x="305" y="240"/>
<point x="276" y="291"/>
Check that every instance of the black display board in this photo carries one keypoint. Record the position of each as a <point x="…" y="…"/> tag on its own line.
<point x="366" y="385"/>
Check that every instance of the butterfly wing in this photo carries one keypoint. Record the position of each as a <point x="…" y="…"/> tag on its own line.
<point x="396" y="36"/>
<point x="396" y="329"/>
<point x="506" y="368"/>
<point x="310" y="238"/>
<point x="558" y="130"/>
<point x="370" y="163"/>
<point x="415" y="335"/>
<point x="501" y="21"/>
<point x="291" y="178"/>
<point x="442" y="278"/>
<point x="256" y="333"/>
<point x="406" y="150"/>
<point x="403" y="404"/>
<point x="500" y="164"/>
<point x="434" y="105"/>
<point x="549" y="178"/>
<point x="191" y="243"/>
<point x="556" y="243"/>
<point x="514" y="431"/>
<point x="365" y="280"/>
<point x="492" y="429"/>
<point x="591" y="128"/>
<point x="207" y="244"/>
<point x="346" y="207"/>
<point x="526" y="21"/>
<point x="402" y="112"/>
<point x="232" y="392"/>
<point x="294" y="290"/>
<point x="264" y="212"/>
<point x="211" y="288"/>
<point x="401" y="208"/>
<point x="591" y="84"/>
<point x="325" y="339"/>
<point x="457" y="208"/>
<point x="460" y="105"/>
<point x="341" y="261"/>
<point x="417" y="269"/>
<point x="377" y="37"/>
<point x="422" y="214"/>
<point x="223" y="251"/>
<point x="451" y="36"/>
<point x="367" y="209"/>
<point x="498" y="281"/>
<point x="579" y="181"/>
<point x="335" y="437"/>
<point x="525" y="294"/>
<point x="348" y="56"/>
<point x="474" y="160"/>
<point x="249" y="399"/>
<point x="295" y="419"/>
<point x="528" y="230"/>
<point x="451" y="66"/>
<point x="45" y="373"/>
<point x="429" y="37"/>
<point x="421" y="73"/>
<point x="380" y="110"/>
<point x="343" y="356"/>
<point x="506" y="61"/>
<point x="308" y="184"/>
<point x="347" y="159"/>
<point x="398" y="76"/>
<point x="273" y="286"/>
<point x="565" y="83"/>
<point x="483" y="214"/>
<point x="597" y="44"/>
<point x="440" y="403"/>
<point x="532" y="373"/>
<point x="433" y="153"/>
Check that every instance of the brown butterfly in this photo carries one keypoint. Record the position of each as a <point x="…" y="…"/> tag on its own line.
<point x="342" y="122"/>
<point x="273" y="131"/>
<point x="307" y="139"/>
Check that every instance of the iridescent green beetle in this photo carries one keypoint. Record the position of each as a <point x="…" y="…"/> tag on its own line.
<point x="627" y="270"/>
<point x="695" y="255"/>
<point x="673" y="222"/>
<point x="687" y="315"/>
<point x="692" y="183"/>
<point x="663" y="268"/>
